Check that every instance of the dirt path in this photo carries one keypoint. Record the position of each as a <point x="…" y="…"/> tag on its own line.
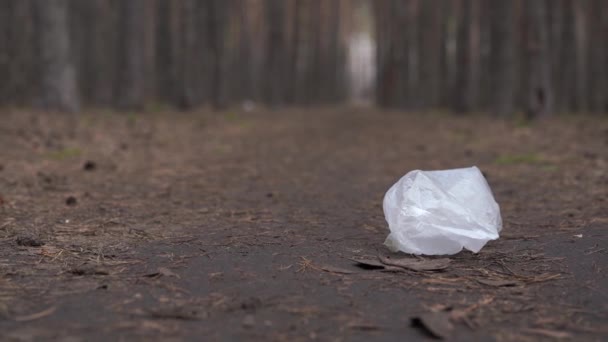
<point x="243" y="226"/>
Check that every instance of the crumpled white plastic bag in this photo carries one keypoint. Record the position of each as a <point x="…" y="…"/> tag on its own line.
<point x="440" y="212"/>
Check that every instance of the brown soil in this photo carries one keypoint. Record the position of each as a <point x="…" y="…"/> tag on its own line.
<point x="243" y="226"/>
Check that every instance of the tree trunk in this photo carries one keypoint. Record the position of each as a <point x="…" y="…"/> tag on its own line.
<point x="245" y="64"/>
<point x="581" y="36"/>
<point x="17" y="55"/>
<point x="216" y="11"/>
<point x="275" y="48"/>
<point x="187" y="66"/>
<point x="539" y="90"/>
<point x="430" y="53"/>
<point x="165" y="75"/>
<point x="333" y="54"/>
<point x="59" y="90"/>
<point x="295" y="52"/>
<point x="502" y="57"/>
<point x="131" y="87"/>
<point x="466" y="86"/>
<point x="598" y="57"/>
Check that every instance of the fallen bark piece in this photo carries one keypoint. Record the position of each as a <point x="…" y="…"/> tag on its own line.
<point x="498" y="283"/>
<point x="417" y="264"/>
<point x="333" y="269"/>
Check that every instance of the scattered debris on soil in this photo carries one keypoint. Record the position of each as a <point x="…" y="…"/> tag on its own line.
<point x="269" y="228"/>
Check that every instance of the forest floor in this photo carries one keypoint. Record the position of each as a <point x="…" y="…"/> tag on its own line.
<point x="244" y="226"/>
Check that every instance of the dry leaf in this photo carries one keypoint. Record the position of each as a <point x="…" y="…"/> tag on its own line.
<point x="37" y="315"/>
<point x="436" y="324"/>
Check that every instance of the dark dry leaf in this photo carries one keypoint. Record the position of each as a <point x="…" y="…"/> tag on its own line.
<point x="178" y="313"/>
<point x="368" y="263"/>
<point x="162" y="272"/>
<point x="87" y="271"/>
<point x="28" y="241"/>
<point x="434" y="324"/>
<point x="417" y="264"/>
<point x="251" y="304"/>
<point x="364" y="326"/>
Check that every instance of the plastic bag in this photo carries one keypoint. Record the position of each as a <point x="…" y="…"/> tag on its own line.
<point x="440" y="212"/>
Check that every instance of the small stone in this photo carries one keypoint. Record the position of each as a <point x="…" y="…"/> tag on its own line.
<point x="249" y="321"/>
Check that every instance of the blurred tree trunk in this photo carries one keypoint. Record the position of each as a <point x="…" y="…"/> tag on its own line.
<point x="314" y="85"/>
<point x="295" y="51"/>
<point x="414" y="46"/>
<point x="188" y="73"/>
<point x="398" y="69"/>
<point x="245" y="64"/>
<point x="131" y="74"/>
<point x="558" y="40"/>
<point x="332" y="58"/>
<point x="59" y="90"/>
<point x="502" y="57"/>
<point x="18" y="67"/>
<point x="581" y="36"/>
<point x="275" y="49"/>
<point x="539" y="90"/>
<point x="216" y="21"/>
<point x="598" y="56"/>
<point x="166" y="82"/>
<point x="466" y="86"/>
<point x="95" y="48"/>
<point x="430" y="53"/>
<point x="382" y="23"/>
<point x="397" y="53"/>
<point x="5" y="47"/>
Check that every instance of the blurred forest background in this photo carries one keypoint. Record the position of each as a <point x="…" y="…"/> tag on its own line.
<point x="496" y="56"/>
